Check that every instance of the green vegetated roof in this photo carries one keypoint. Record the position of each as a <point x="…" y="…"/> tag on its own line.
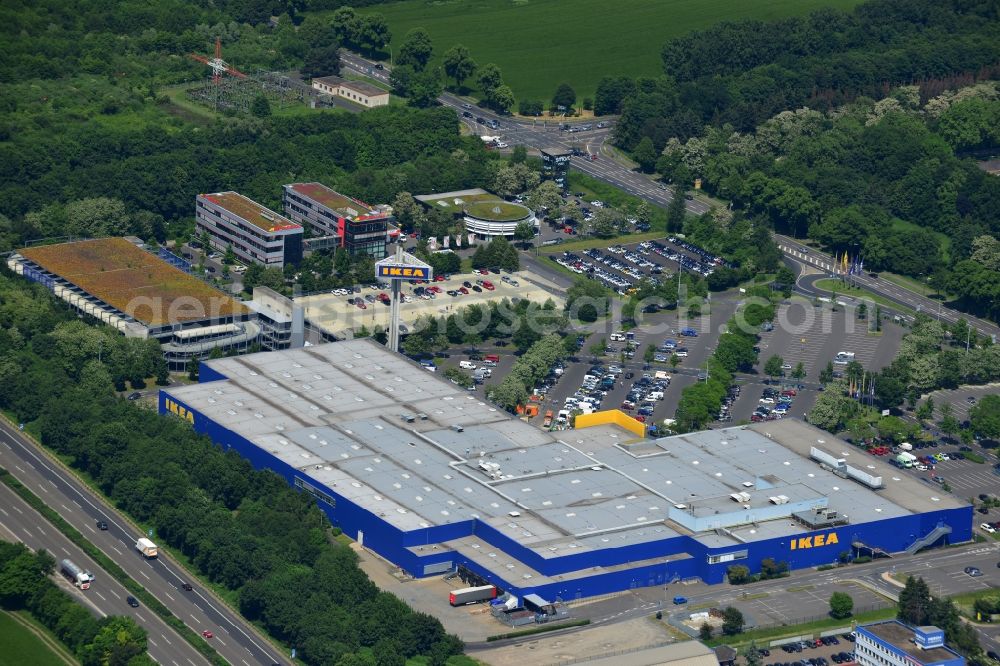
<point x="500" y="211"/>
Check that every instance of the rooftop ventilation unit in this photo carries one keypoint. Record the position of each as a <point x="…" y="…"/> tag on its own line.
<point x="740" y="497"/>
<point x="409" y="418"/>
<point x="457" y="428"/>
<point x="778" y="499"/>
<point x="422" y="416"/>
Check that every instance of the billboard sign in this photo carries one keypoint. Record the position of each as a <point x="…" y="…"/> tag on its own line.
<point x="403" y="266"/>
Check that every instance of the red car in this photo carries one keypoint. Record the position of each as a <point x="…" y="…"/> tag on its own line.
<point x="483" y="271"/>
<point x="488" y="285"/>
<point x="208" y="634"/>
<point x="361" y="304"/>
<point x="439" y="278"/>
<point x="789" y="393"/>
<point x="463" y="290"/>
<point x="640" y="418"/>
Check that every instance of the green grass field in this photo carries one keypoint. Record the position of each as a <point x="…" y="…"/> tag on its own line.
<point x="540" y="43"/>
<point x="21" y="645"/>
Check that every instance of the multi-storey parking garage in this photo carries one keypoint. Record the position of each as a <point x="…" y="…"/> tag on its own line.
<point x="433" y="479"/>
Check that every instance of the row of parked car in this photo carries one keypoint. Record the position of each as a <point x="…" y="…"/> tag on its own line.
<point x="773" y="405"/>
<point x="596" y="385"/>
<point x="612" y="262"/>
<point x="579" y="265"/>
<point x="645" y="392"/>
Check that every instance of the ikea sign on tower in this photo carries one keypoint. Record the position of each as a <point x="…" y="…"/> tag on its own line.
<point x="403" y="266"/>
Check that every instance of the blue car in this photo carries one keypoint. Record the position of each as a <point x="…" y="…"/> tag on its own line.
<point x="689" y="332"/>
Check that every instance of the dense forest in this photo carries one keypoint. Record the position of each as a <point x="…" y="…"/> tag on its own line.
<point x="25" y="585"/>
<point x="742" y="73"/>
<point x="860" y="130"/>
<point x="245" y="530"/>
<point x="92" y="143"/>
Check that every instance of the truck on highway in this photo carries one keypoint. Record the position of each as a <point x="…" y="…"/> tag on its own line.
<point x="146" y="547"/>
<point x="471" y="595"/>
<point x="82" y="579"/>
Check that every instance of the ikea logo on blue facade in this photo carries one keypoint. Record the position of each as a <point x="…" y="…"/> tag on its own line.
<point x="179" y="410"/>
<point x="815" y="541"/>
<point x="403" y="272"/>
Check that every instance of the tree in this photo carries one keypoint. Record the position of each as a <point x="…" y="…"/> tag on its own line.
<point x="705" y="631"/>
<point x="799" y="372"/>
<point x="424" y="89"/>
<point x="738" y="574"/>
<point x="732" y="621"/>
<point x="587" y="300"/>
<point x="985" y="416"/>
<point x="645" y="155"/>
<point x="675" y="360"/>
<point x="772" y="368"/>
<point x="564" y="97"/>
<point x="416" y="49"/>
<point x="458" y="64"/>
<point x="374" y="31"/>
<point x="524" y="231"/>
<point x="841" y="605"/>
<point x="752" y="656"/>
<point x="260" y="107"/>
<point x="530" y="107"/>
<point x="489" y="79"/>
<point x="502" y="99"/>
<point x="192" y="369"/>
<point x="914" y="602"/>
<point x="948" y="423"/>
<point x="676" y="210"/>
<point x="321" y="61"/>
<point x="826" y="374"/>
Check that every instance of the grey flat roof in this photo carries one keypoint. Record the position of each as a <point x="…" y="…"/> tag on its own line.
<point x="901" y="636"/>
<point x="336" y="412"/>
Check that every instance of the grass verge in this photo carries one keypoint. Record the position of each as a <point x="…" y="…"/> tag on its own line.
<point x="539" y="630"/>
<point x="763" y="636"/>
<point x="27" y="642"/>
<point x="834" y="285"/>
<point x="112" y="568"/>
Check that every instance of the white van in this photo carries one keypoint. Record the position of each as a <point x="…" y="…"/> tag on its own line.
<point x="467" y="365"/>
<point x="655" y="395"/>
<point x="618" y="337"/>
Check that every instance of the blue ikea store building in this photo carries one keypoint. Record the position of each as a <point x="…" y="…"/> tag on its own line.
<point x="436" y="480"/>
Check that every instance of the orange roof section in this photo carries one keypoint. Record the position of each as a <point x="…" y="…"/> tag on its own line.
<point x="134" y="281"/>
<point x="261" y="217"/>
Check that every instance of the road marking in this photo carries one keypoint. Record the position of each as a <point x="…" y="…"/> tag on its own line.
<point x="115" y="593"/>
<point x="43" y="488"/>
<point x="91" y="529"/>
<point x="64" y="550"/>
<point x="4" y="512"/>
<point x="193" y="617"/>
<point x="28" y="533"/>
<point x="220" y="641"/>
<point x="245" y="662"/>
<point x="117" y="551"/>
<point x="145" y="575"/>
<point x="20" y="468"/>
<point x="140" y="617"/>
<point x="152" y="642"/>
<point x="40" y="529"/>
<point x="191" y="662"/>
<point x="64" y="506"/>
<point x="164" y="637"/>
<point x="100" y="595"/>
<point x="169" y="597"/>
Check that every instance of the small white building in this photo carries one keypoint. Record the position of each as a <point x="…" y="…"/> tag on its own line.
<point x="359" y="92"/>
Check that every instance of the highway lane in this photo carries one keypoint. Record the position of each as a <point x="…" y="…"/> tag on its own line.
<point x="808" y="256"/>
<point x="106" y="596"/>
<point x="235" y="639"/>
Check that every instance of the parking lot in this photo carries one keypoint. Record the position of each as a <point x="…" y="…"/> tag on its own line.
<point x="620" y="267"/>
<point x="335" y="315"/>
<point x="963" y="398"/>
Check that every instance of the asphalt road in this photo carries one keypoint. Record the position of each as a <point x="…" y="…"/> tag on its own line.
<point x="234" y="638"/>
<point x="19" y="522"/>
<point x="806" y="255"/>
